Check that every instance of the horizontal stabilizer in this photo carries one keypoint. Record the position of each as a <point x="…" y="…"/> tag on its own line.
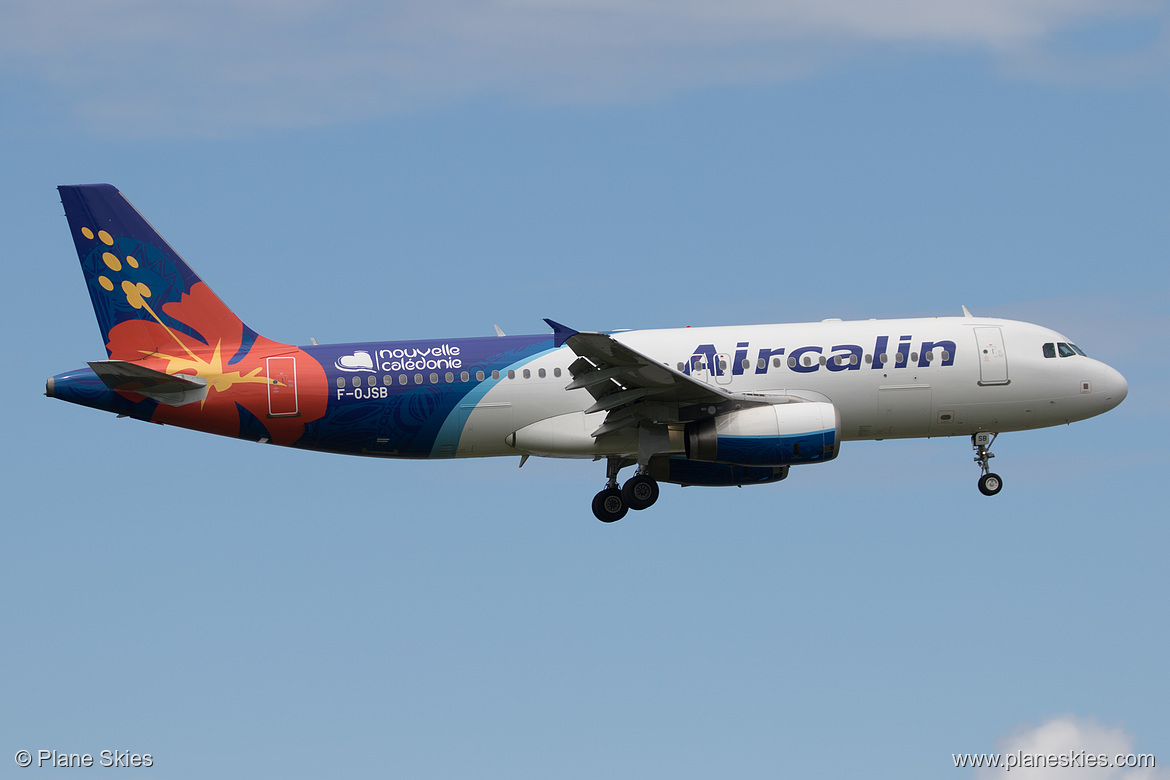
<point x="169" y="389"/>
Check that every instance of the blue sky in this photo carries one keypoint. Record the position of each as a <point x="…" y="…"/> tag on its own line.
<point x="349" y="171"/>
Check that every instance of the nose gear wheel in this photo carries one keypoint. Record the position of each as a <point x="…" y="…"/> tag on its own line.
<point x="989" y="483"/>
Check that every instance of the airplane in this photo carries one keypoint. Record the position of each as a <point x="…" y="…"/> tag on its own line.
<point x="707" y="406"/>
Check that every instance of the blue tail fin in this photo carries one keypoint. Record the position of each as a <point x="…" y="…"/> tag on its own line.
<point x="146" y="298"/>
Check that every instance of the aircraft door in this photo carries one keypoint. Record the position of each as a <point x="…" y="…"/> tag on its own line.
<point x="699" y="368"/>
<point x="483" y="427"/>
<point x="904" y="410"/>
<point x="282" y="387"/>
<point x="993" y="367"/>
<point x="723" y="374"/>
<point x="706" y="366"/>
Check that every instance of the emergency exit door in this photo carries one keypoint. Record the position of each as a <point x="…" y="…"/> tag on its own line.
<point x="282" y="387"/>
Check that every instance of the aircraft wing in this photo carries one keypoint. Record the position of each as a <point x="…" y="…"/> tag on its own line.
<point x="629" y="386"/>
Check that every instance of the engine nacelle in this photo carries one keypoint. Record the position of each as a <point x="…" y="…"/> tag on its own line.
<point x="680" y="471"/>
<point x="777" y="435"/>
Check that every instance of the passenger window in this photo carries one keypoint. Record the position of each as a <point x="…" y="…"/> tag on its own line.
<point x="746" y="364"/>
<point x="449" y="377"/>
<point x="434" y="379"/>
<point x="511" y="373"/>
<point x="775" y="362"/>
<point x="540" y="373"/>
<point x="557" y="371"/>
<point x="495" y="374"/>
<point x="464" y="376"/>
<point x="527" y="374"/>
<point x="1050" y="350"/>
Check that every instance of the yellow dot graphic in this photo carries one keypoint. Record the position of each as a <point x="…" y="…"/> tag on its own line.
<point x="132" y="296"/>
<point x="87" y="232"/>
<point x="106" y="283"/>
<point x="106" y="238"/>
<point x="112" y="262"/>
<point x="130" y="261"/>
<point x="135" y="293"/>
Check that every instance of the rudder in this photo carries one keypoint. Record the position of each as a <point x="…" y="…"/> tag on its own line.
<point x="147" y="299"/>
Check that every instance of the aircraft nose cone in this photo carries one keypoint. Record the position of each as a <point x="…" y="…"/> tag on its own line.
<point x="1116" y="388"/>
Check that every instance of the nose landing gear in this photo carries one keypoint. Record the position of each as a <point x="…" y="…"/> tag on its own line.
<point x="989" y="483"/>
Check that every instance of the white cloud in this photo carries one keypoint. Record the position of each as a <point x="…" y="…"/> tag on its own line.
<point x="1070" y="736"/>
<point x="139" y="67"/>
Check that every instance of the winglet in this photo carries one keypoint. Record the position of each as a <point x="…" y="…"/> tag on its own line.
<point x="561" y="334"/>
<point x="967" y="313"/>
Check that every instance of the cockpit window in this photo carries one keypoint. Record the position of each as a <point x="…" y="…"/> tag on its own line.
<point x="1051" y="350"/>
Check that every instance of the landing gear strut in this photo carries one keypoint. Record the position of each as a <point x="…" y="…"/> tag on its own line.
<point x="612" y="503"/>
<point x="989" y="483"/>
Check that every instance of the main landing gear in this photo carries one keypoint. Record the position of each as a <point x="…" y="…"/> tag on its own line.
<point x="989" y="483"/>
<point x="639" y="492"/>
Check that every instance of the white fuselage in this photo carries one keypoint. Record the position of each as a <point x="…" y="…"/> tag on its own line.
<point x="944" y="376"/>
